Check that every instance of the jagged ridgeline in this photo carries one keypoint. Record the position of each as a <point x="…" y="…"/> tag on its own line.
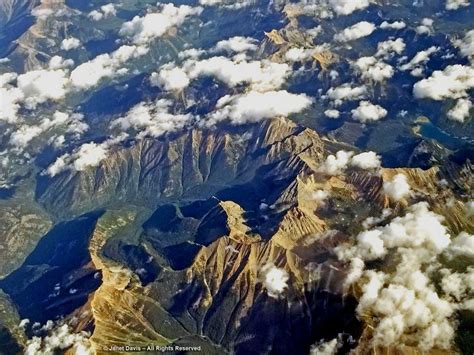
<point x="167" y="242"/>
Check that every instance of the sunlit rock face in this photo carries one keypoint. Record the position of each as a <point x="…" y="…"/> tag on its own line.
<point x="248" y="177"/>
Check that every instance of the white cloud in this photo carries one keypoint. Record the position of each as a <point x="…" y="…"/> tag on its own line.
<point x="95" y="15"/>
<point x="89" y="74"/>
<point x="260" y="75"/>
<point x="402" y="302"/>
<point x="109" y="9"/>
<point x="466" y="45"/>
<point x="422" y="57"/>
<point x="346" y="92"/>
<point x="300" y="54"/>
<point x="171" y="78"/>
<point x="336" y="164"/>
<point x="325" y="348"/>
<point x="453" y="82"/>
<point x="274" y="280"/>
<point x="368" y="112"/>
<point x="332" y="113"/>
<point x="59" y="338"/>
<point x="461" y="110"/>
<point x="39" y="86"/>
<point x="346" y="7"/>
<point x="237" y="44"/>
<point x="366" y="160"/>
<point x="232" y="4"/>
<point x="370" y="245"/>
<point x="87" y="155"/>
<point x="462" y="245"/>
<point x="153" y="119"/>
<point x="297" y="54"/>
<point x="387" y="48"/>
<point x="10" y="99"/>
<point x="23" y="135"/>
<point x="426" y="27"/>
<point x="58" y="62"/>
<point x="359" y="30"/>
<point x="143" y="30"/>
<point x="373" y="69"/>
<point x="396" y="25"/>
<point x="70" y="43"/>
<point x="456" y="4"/>
<point x="255" y="106"/>
<point x="398" y="188"/>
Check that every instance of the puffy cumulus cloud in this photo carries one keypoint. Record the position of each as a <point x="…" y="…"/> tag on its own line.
<point x="87" y="155"/>
<point x="359" y="30"/>
<point x="58" y="62"/>
<point x="398" y="188"/>
<point x="387" y="48"/>
<point x="260" y="75"/>
<point x="417" y="62"/>
<point x="426" y="27"/>
<point x="466" y="45"/>
<point x="403" y="303"/>
<point x="70" y="43"/>
<point x="59" y="338"/>
<point x="143" y="30"/>
<point x="89" y="74"/>
<point x="355" y="272"/>
<point x="23" y="135"/>
<point x="10" y="99"/>
<point x="462" y="245"/>
<point x="396" y="25"/>
<point x="456" y="4"/>
<point x="346" y="92"/>
<point x="346" y="7"/>
<point x="419" y="228"/>
<point x="332" y="113"/>
<point x="370" y="245"/>
<point x="453" y="82"/>
<point x="30" y="89"/>
<point x="325" y="347"/>
<point x="170" y="78"/>
<point x="7" y="78"/>
<point x="233" y="5"/>
<point x="227" y="4"/>
<point x="371" y="221"/>
<point x="372" y="69"/>
<point x="461" y="110"/>
<point x="368" y="112"/>
<point x="105" y="11"/>
<point x="299" y="54"/>
<point x="153" y="119"/>
<point x="237" y="44"/>
<point x="275" y="280"/>
<point x="458" y="285"/>
<point x="39" y="86"/>
<point x="336" y="164"/>
<point x="366" y="160"/>
<point x="255" y="106"/>
<point x="109" y="9"/>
